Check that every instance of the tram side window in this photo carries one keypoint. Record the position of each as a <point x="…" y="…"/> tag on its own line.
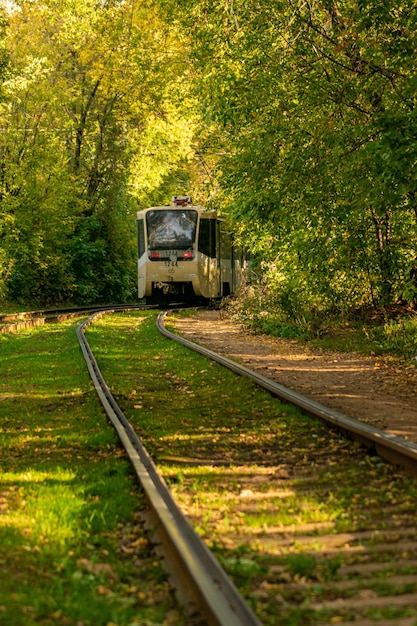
<point x="226" y="247"/>
<point x="141" y="238"/>
<point x="207" y="237"/>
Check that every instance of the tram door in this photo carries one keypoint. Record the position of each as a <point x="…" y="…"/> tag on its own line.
<point x="225" y="257"/>
<point x="209" y="246"/>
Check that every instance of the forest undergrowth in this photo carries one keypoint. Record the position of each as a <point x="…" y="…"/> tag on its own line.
<point x="370" y="330"/>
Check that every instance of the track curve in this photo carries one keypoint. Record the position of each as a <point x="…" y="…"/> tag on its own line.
<point x="13" y="322"/>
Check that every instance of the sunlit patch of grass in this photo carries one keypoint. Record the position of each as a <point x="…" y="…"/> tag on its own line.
<point x="44" y="508"/>
<point x="288" y="510"/>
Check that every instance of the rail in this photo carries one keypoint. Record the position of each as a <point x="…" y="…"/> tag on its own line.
<point x="201" y="581"/>
<point x="390" y="447"/>
<point x="13" y="322"/>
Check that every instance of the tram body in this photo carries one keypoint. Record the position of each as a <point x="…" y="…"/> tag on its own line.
<point x="185" y="253"/>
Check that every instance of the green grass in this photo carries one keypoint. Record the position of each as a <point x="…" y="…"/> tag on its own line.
<point x="72" y="545"/>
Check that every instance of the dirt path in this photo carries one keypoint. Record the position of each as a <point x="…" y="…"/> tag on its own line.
<point x="381" y="391"/>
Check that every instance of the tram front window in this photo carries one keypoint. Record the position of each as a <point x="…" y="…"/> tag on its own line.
<point x="171" y="233"/>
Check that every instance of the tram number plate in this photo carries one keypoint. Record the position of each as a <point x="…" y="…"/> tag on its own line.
<point x="171" y="263"/>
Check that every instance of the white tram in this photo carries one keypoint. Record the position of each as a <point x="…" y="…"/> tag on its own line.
<point x="185" y="254"/>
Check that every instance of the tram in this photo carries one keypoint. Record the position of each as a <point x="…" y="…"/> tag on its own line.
<point x="185" y="254"/>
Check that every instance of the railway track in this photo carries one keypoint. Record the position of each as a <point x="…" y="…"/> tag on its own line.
<point x="13" y="322"/>
<point x="365" y="573"/>
<point x="203" y="584"/>
<point x="358" y="569"/>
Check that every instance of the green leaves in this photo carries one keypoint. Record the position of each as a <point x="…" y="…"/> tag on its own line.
<point x="311" y="111"/>
<point x="91" y="123"/>
<point x="296" y="120"/>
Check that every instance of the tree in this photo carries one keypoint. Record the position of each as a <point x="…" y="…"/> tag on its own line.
<point x="89" y="84"/>
<point x="312" y="117"/>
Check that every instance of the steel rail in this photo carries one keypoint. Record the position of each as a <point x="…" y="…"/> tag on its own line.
<point x="390" y="447"/>
<point x="26" y="315"/>
<point x="201" y="581"/>
<point x="30" y="319"/>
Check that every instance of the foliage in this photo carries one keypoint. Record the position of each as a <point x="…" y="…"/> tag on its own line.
<point x="390" y="331"/>
<point x="395" y="337"/>
<point x="312" y="116"/>
<point x="87" y="119"/>
<point x="295" y="120"/>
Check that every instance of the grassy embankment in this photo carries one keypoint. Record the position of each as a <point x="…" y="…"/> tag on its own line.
<point x="378" y="331"/>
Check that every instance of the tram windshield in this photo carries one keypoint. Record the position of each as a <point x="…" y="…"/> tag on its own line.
<point x="171" y="229"/>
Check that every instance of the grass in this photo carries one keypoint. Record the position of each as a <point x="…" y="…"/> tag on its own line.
<point x="309" y="567"/>
<point x="73" y="548"/>
<point x="203" y="426"/>
<point x="392" y="337"/>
